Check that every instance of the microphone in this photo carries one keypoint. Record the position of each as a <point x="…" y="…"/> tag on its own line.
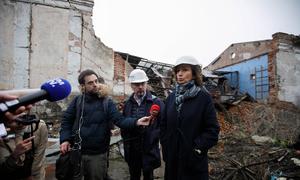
<point x="52" y="90"/>
<point x="19" y="92"/>
<point x="154" y="111"/>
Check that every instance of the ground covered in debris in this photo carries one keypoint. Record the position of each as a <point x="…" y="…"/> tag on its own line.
<point x="254" y="142"/>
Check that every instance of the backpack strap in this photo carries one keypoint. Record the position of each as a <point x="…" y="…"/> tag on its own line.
<point x="105" y="108"/>
<point x="76" y="124"/>
<point x="78" y="112"/>
<point x="105" y="104"/>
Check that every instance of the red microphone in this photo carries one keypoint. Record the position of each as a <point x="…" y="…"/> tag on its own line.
<point x="154" y="111"/>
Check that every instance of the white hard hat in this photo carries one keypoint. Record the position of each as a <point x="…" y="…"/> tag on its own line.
<point x="187" y="60"/>
<point x="138" y="76"/>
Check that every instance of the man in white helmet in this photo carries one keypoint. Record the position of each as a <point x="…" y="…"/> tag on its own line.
<point x="141" y="145"/>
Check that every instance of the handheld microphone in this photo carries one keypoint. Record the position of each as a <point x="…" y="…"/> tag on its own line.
<point x="52" y="90"/>
<point x="154" y="111"/>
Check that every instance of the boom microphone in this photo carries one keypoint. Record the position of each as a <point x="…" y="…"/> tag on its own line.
<point x="52" y="90"/>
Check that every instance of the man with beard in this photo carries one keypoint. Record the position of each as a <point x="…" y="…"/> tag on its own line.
<point x="141" y="145"/>
<point x="86" y="126"/>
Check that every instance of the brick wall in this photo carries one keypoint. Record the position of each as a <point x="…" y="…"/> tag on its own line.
<point x="273" y="87"/>
<point x="119" y="68"/>
<point x="284" y="63"/>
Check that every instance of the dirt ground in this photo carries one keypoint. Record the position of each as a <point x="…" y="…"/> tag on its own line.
<point x="118" y="169"/>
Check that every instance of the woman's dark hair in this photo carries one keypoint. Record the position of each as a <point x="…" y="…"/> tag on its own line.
<point x="85" y="73"/>
<point x="196" y="72"/>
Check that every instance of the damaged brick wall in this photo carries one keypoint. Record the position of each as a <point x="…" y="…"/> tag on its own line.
<point x="119" y="68"/>
<point x="41" y="40"/>
<point x="121" y="85"/>
<point x="47" y="39"/>
<point x="119" y="76"/>
<point x="273" y="90"/>
<point x="284" y="68"/>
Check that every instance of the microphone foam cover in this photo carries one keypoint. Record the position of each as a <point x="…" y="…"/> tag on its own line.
<point x="154" y="107"/>
<point x="57" y="89"/>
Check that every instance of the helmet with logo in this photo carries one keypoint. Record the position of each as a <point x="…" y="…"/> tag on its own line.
<point x="187" y="60"/>
<point x="138" y="76"/>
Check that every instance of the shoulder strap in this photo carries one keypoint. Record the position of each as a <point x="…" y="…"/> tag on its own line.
<point x="105" y="104"/>
<point x="75" y="128"/>
<point x="105" y="107"/>
<point x="78" y="112"/>
<point x="78" y="106"/>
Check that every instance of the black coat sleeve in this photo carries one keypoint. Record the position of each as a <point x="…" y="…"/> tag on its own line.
<point x="118" y="119"/>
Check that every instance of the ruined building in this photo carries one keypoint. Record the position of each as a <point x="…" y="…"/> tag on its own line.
<point x="41" y="40"/>
<point x="266" y="69"/>
<point x="160" y="74"/>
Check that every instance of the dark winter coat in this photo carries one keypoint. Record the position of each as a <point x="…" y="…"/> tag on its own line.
<point x="95" y="130"/>
<point x="142" y="142"/>
<point x="186" y="137"/>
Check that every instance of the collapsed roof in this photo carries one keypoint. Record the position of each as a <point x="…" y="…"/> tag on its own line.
<point x="159" y="74"/>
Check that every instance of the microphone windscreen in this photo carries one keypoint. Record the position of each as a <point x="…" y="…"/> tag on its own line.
<point x="57" y="89"/>
<point x="154" y="107"/>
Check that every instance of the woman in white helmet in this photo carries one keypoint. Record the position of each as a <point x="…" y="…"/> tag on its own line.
<point x="189" y="126"/>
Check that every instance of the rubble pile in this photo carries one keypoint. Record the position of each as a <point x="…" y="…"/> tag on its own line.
<point x="226" y="126"/>
<point x="244" y="159"/>
<point x="254" y="142"/>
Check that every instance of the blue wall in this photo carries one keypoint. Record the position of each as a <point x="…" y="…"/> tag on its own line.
<point x="246" y="84"/>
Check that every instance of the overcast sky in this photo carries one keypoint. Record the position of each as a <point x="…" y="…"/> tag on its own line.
<point x="163" y="30"/>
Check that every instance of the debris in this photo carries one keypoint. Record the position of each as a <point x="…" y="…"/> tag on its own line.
<point x="296" y="161"/>
<point x="262" y="139"/>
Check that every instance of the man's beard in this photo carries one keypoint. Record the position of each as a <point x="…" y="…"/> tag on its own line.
<point x="140" y="94"/>
<point x="92" y="92"/>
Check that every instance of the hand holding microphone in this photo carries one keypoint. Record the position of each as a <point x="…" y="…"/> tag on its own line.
<point x="154" y="111"/>
<point x="148" y="120"/>
<point x="52" y="90"/>
<point x="18" y="111"/>
<point x="13" y="107"/>
<point x="8" y="116"/>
